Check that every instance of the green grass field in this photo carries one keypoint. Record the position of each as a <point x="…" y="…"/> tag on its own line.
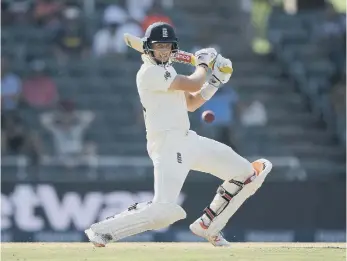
<point x="173" y="251"/>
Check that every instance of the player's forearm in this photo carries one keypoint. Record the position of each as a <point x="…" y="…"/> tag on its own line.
<point x="194" y="101"/>
<point x="197" y="99"/>
<point x="198" y="78"/>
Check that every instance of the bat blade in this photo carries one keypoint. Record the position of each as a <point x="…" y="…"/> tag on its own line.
<point x="134" y="42"/>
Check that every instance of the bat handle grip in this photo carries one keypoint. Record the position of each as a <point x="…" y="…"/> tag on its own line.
<point x="189" y="58"/>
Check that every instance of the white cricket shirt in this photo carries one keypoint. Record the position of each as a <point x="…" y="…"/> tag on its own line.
<point x="163" y="109"/>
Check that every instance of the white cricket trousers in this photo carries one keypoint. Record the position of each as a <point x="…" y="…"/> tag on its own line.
<point x="175" y="153"/>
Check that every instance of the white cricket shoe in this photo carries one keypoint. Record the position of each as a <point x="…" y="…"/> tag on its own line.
<point x="97" y="239"/>
<point x="199" y="229"/>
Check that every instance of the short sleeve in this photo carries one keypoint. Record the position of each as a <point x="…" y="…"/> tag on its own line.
<point x="156" y="78"/>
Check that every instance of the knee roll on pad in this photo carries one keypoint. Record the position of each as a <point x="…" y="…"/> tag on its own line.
<point x="139" y="218"/>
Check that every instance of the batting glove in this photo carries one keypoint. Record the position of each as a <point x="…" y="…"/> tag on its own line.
<point x="205" y="56"/>
<point x="218" y="78"/>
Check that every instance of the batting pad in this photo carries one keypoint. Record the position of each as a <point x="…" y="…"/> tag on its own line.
<point x="144" y="217"/>
<point x="248" y="190"/>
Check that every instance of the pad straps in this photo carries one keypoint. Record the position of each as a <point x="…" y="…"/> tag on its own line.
<point x="226" y="196"/>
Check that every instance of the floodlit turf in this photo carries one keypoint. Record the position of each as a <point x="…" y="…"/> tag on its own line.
<point x="174" y="251"/>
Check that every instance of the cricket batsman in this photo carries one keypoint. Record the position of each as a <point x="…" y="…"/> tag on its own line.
<point x="175" y="149"/>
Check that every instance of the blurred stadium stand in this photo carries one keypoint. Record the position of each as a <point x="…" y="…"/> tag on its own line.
<point x="292" y="83"/>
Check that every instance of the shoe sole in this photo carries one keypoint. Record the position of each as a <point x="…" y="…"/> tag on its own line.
<point x="93" y="242"/>
<point x="97" y="244"/>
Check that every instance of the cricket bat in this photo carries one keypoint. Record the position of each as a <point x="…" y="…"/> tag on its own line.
<point x="179" y="57"/>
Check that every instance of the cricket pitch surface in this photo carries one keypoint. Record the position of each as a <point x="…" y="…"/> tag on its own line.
<point x="173" y="251"/>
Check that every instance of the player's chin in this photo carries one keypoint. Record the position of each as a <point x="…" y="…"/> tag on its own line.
<point x="165" y="59"/>
<point x="161" y="59"/>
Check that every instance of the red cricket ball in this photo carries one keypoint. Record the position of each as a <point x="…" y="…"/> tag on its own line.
<point x="208" y="116"/>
